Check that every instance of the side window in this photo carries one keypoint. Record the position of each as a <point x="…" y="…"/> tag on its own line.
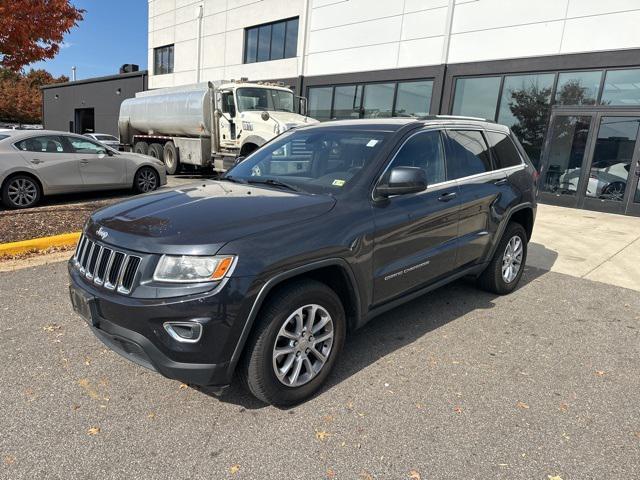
<point x="228" y="105"/>
<point x="504" y="151"/>
<point x="46" y="144"/>
<point x="468" y="154"/>
<point x="81" y="145"/>
<point x="423" y="150"/>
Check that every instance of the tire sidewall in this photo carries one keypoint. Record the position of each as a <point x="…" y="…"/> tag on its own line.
<point x="5" y="193"/>
<point x="512" y="230"/>
<point x="135" y="179"/>
<point x="278" y="393"/>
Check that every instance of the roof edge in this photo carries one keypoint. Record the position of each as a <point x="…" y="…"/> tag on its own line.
<point x="107" y="78"/>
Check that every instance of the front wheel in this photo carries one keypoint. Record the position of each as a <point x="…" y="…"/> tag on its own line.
<point x="146" y="180"/>
<point x="503" y="273"/>
<point x="294" y="346"/>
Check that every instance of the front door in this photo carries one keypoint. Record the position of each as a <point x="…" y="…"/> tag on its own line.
<point x="592" y="160"/>
<point x="415" y="238"/>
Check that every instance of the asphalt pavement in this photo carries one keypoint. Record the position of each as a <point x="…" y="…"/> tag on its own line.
<point x="459" y="384"/>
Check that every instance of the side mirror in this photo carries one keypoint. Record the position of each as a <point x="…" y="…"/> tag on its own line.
<point x="108" y="152"/>
<point x="402" y="181"/>
<point x="238" y="160"/>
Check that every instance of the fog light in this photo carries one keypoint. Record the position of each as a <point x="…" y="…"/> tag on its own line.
<point x="185" y="332"/>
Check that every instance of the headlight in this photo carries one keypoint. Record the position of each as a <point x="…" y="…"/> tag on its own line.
<point x="191" y="269"/>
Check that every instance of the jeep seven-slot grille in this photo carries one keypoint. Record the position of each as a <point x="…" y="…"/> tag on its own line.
<point x="105" y="266"/>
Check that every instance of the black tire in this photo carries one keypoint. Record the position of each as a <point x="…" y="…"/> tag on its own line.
<point x="257" y="366"/>
<point x="171" y="158"/>
<point x="21" y="191"/>
<point x="492" y="279"/>
<point x="146" y="180"/>
<point x="156" y="151"/>
<point x="141" y="147"/>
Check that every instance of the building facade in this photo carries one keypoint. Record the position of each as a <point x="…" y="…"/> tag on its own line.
<point x="564" y="74"/>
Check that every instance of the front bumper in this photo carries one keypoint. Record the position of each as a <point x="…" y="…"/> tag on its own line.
<point x="134" y="328"/>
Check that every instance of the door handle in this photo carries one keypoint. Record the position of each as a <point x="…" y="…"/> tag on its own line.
<point x="36" y="161"/>
<point x="502" y="181"/>
<point x="445" y="197"/>
<point x="84" y="161"/>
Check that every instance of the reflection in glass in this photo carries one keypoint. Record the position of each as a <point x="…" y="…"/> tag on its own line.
<point x="347" y="102"/>
<point x="291" y="42"/>
<point x="277" y="41"/>
<point x="612" y="157"/>
<point x="413" y="99"/>
<point x="622" y="87"/>
<point x="251" y="46"/>
<point x="320" y="102"/>
<point x="525" y="106"/>
<point x="378" y="100"/>
<point x="264" y="43"/>
<point x="566" y="153"/>
<point x="578" y="88"/>
<point x="476" y="97"/>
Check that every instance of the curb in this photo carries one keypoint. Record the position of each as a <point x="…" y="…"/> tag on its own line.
<point x="43" y="243"/>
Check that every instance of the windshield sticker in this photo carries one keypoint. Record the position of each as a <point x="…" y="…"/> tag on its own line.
<point x="338" y="183"/>
<point x="372" y="143"/>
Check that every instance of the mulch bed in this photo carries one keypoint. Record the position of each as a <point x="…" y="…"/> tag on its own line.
<point x="17" y="225"/>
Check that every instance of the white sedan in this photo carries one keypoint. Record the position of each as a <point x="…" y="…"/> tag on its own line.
<point x="105" y="139"/>
<point x="37" y="163"/>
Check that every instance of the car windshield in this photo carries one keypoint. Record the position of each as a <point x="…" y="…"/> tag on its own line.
<point x="313" y="161"/>
<point x="108" y="138"/>
<point x="2" y="137"/>
<point x="254" y="98"/>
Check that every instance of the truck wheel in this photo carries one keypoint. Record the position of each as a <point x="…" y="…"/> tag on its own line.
<point x="296" y="341"/>
<point x="503" y="273"/>
<point x="171" y="159"/>
<point x="155" y="151"/>
<point x="141" y="147"/>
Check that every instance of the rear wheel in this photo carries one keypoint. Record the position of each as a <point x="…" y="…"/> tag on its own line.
<point x="21" y="191"/>
<point x="156" y="151"/>
<point x="171" y="160"/>
<point x="294" y="346"/>
<point x="141" y="147"/>
<point x="146" y="180"/>
<point x="503" y="273"/>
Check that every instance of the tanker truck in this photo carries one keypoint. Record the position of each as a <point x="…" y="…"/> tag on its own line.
<point x="207" y="125"/>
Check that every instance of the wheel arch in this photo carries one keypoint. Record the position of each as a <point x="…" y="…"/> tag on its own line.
<point x="523" y="214"/>
<point x="15" y="173"/>
<point x="334" y="272"/>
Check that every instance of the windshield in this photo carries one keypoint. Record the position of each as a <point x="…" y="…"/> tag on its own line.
<point x="254" y="98"/>
<point x="313" y="161"/>
<point x="109" y="138"/>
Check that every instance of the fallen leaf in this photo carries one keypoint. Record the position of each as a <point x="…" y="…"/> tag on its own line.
<point x="350" y="406"/>
<point x="419" y="406"/>
<point x="235" y="468"/>
<point x="554" y="477"/>
<point x="364" y="475"/>
<point x="563" y="407"/>
<point x="183" y="386"/>
<point x="87" y="360"/>
<point x="457" y="409"/>
<point x="52" y="327"/>
<point x="151" y="415"/>
<point x="522" y="406"/>
<point x="600" y="373"/>
<point x="328" y="418"/>
<point x="414" y="475"/>
<point x="75" y="406"/>
<point x="322" y="435"/>
<point x="86" y="385"/>
<point x="9" y="460"/>
<point x="93" y="431"/>
<point x="331" y="473"/>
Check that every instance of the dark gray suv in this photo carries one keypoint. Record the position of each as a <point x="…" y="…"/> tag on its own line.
<point x="265" y="271"/>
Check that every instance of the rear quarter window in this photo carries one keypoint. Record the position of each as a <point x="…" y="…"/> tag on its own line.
<point x="504" y="151"/>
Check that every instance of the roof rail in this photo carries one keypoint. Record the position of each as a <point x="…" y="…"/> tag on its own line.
<point x="454" y="117"/>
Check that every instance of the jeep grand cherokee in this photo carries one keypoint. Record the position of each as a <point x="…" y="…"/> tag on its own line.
<point x="266" y="270"/>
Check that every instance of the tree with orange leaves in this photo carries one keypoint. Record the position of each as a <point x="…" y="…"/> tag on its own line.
<point x="32" y="30"/>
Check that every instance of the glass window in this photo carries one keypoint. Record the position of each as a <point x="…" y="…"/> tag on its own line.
<point x="566" y="151"/>
<point x="277" y="40"/>
<point x="251" y="45"/>
<point x="424" y="151"/>
<point x="504" y="151"/>
<point x="2" y="137"/>
<point x="612" y="156"/>
<point x="80" y="145"/>
<point x="320" y="102"/>
<point x="476" y="97"/>
<point x="622" y="87"/>
<point x="282" y="101"/>
<point x="163" y="60"/>
<point x="47" y="144"/>
<point x="253" y="99"/>
<point x="347" y="102"/>
<point x="264" y="43"/>
<point x="578" y="88"/>
<point x="272" y="41"/>
<point x="468" y="154"/>
<point x="525" y="107"/>
<point x="291" y="41"/>
<point x="413" y="99"/>
<point x="378" y="100"/>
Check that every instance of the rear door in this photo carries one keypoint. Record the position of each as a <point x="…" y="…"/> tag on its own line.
<point x="53" y="161"/>
<point x="415" y="237"/>
<point x="98" y="169"/>
<point x="469" y="164"/>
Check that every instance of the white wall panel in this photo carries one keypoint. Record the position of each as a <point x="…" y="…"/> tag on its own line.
<point x="603" y="32"/>
<point x="383" y="30"/>
<point x="522" y="41"/>
<point x="163" y="6"/>
<point x="164" y="20"/>
<point x="425" y="51"/>
<point x="213" y="24"/>
<point x="353" y="60"/>
<point x="264" y="70"/>
<point x="416" y="5"/>
<point x="166" y="36"/>
<point x="353" y="11"/>
<point x="185" y="56"/>
<point x="579" y="8"/>
<point x="214" y="6"/>
<point x="213" y="48"/>
<point x="263" y="11"/>
<point x="186" y="31"/>
<point x="426" y="23"/>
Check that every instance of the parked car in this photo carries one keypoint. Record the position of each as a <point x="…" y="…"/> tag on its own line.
<point x="607" y="180"/>
<point x="34" y="164"/>
<point x="105" y="139"/>
<point x="267" y="270"/>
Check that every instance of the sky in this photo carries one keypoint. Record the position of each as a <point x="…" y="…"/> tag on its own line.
<point x="112" y="33"/>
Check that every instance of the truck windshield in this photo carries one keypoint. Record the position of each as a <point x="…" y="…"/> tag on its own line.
<point x="255" y="98"/>
<point x="313" y="161"/>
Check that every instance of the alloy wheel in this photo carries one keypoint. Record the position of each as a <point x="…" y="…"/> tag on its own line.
<point x="22" y="192"/>
<point x="147" y="180"/>
<point x="303" y="345"/>
<point x="512" y="259"/>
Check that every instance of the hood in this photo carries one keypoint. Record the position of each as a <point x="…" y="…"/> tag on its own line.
<point x="285" y="118"/>
<point x="199" y="219"/>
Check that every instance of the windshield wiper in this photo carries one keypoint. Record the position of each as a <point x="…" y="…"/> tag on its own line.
<point x="230" y="178"/>
<point x="272" y="182"/>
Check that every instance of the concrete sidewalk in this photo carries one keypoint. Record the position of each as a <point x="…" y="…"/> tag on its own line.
<point x="598" y="246"/>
